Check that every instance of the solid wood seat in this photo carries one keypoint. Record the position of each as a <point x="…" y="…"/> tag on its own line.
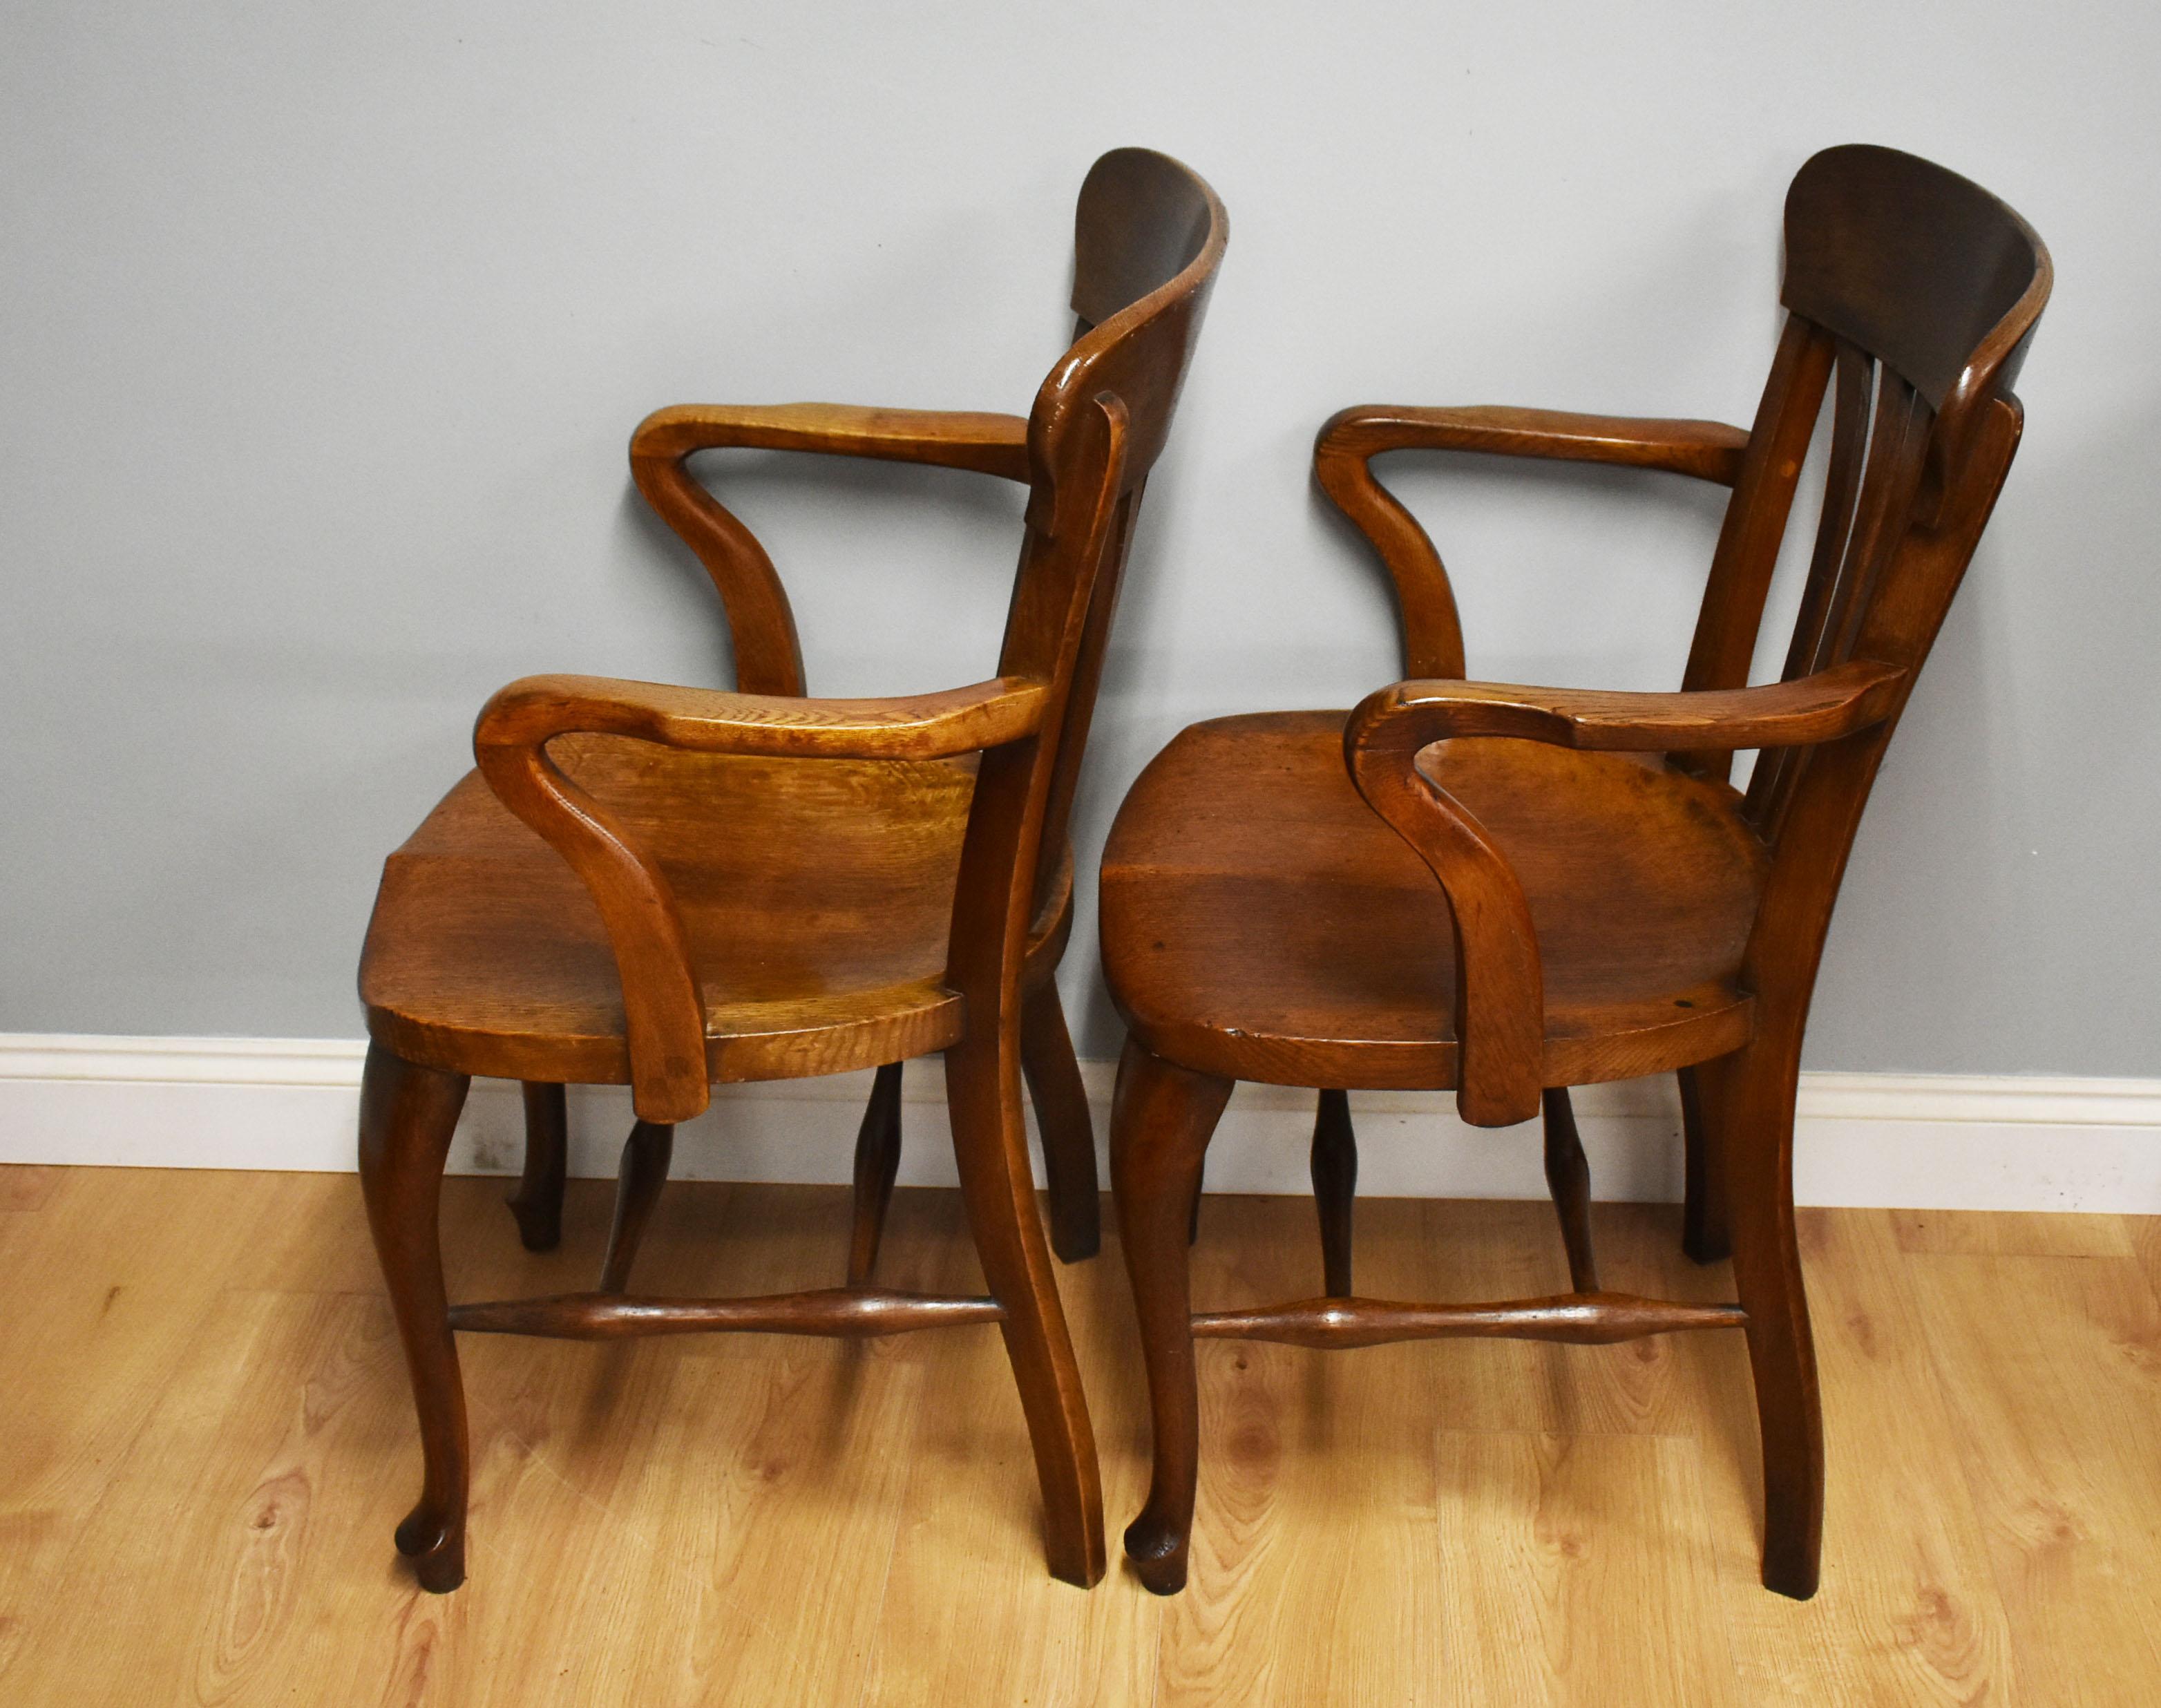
<point x="1353" y="982"/>
<point x="818" y="899"/>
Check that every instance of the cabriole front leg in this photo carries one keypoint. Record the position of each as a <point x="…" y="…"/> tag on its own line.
<point x="407" y="1115"/>
<point x="1161" y="1120"/>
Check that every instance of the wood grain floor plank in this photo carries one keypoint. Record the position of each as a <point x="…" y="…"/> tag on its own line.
<point x="1314" y="1573"/>
<point x="762" y="1508"/>
<point x="1576" y="1570"/>
<point x="119" y="1272"/>
<point x="2053" y="1369"/>
<point x="208" y="1438"/>
<point x="1908" y="1612"/>
<point x="2144" y="1233"/>
<point x="202" y="1571"/>
<point x="27" y="1185"/>
<point x="970" y="1615"/>
<point x="2010" y="1233"/>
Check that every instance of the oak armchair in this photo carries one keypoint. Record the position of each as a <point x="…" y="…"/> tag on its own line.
<point x="1508" y="891"/>
<point x="671" y="886"/>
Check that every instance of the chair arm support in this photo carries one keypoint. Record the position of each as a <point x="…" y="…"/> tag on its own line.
<point x="1432" y="632"/>
<point x="769" y="656"/>
<point x="1814" y="709"/>
<point x="1500" y="1008"/>
<point x="663" y="1002"/>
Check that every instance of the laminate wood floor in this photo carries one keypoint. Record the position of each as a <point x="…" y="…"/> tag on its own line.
<point x="204" y="1441"/>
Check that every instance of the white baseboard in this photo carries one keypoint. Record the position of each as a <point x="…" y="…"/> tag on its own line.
<point x="1914" y="1141"/>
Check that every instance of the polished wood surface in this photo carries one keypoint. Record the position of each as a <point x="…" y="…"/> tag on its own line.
<point x="1639" y="973"/>
<point x="1577" y="1318"/>
<point x="670" y="886"/>
<point x="208" y="1409"/>
<point x="1510" y="890"/>
<point x="536" y="1202"/>
<point x="489" y="950"/>
<point x="849" y="1312"/>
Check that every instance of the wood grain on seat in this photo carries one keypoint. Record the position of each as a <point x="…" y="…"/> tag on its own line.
<point x="1260" y="921"/>
<point x="818" y="897"/>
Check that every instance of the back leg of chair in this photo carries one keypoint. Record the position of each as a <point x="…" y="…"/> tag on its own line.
<point x="1061" y="1117"/>
<point x="1568" y="1178"/>
<point x="990" y="1145"/>
<point x="1334" y="1165"/>
<point x="537" y="1200"/>
<point x="1162" y="1118"/>
<point x="1706" y="1235"/>
<point x="1755" y="1112"/>
<point x="644" y="1171"/>
<point x="407" y="1115"/>
<point x="877" y="1163"/>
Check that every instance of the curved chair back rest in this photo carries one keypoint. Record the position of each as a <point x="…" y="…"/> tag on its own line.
<point x="1916" y="265"/>
<point x="1142" y="219"/>
<point x="1149" y="236"/>
<point x="1912" y="295"/>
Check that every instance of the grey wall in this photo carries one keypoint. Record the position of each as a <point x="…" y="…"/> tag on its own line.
<point x="322" y="329"/>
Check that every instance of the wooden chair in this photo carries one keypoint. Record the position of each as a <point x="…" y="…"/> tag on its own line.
<point x="674" y="885"/>
<point x="1513" y="890"/>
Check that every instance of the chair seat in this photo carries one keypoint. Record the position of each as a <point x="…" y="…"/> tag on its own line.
<point x="817" y="896"/>
<point x="1261" y="922"/>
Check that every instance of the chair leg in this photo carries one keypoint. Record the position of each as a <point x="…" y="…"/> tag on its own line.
<point x="990" y="1144"/>
<point x="1161" y="1120"/>
<point x="1334" y="1168"/>
<point x="537" y="1201"/>
<point x="407" y="1115"/>
<point x="1062" y="1116"/>
<point x="1706" y="1232"/>
<point x="643" y="1173"/>
<point x="1568" y="1178"/>
<point x="1755" y="1112"/>
<point x="878" y="1161"/>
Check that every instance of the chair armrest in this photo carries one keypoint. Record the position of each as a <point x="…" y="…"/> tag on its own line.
<point x="1708" y="450"/>
<point x="663" y="1002"/>
<point x="1432" y="633"/>
<point x="1500" y="1013"/>
<point x="989" y="443"/>
<point x="534" y="711"/>
<point x="1820" y="708"/>
<point x="769" y="656"/>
